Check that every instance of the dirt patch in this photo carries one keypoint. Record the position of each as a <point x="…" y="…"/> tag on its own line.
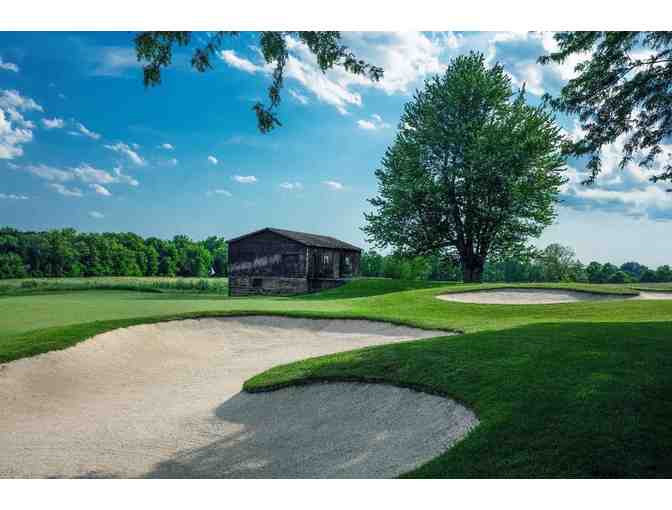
<point x="150" y="400"/>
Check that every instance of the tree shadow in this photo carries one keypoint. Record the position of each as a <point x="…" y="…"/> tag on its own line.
<point x="329" y="430"/>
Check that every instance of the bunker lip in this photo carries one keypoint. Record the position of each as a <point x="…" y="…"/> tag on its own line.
<point x="140" y="401"/>
<point x="527" y="296"/>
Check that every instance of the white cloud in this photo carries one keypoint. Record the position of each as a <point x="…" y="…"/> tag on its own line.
<point x="372" y="125"/>
<point x="12" y="99"/>
<point x="101" y="190"/>
<point x="531" y="74"/>
<point x="12" y="137"/>
<point x="230" y="57"/>
<point x="452" y="40"/>
<point x="298" y="96"/>
<point x="166" y="146"/>
<point x="124" y="149"/>
<point x="8" y="66"/>
<point x="124" y="179"/>
<point x="50" y="173"/>
<point x="172" y="162"/>
<point x="292" y="186"/>
<point x="54" y="123"/>
<point x="518" y="53"/>
<point x="628" y="191"/>
<point x="302" y="67"/>
<point x="83" y="130"/>
<point x="406" y="57"/>
<point x="335" y="185"/>
<point x="85" y="173"/>
<point x="223" y="192"/>
<point x="15" y="130"/>
<point x="245" y="179"/>
<point x="213" y="160"/>
<point x="366" y="124"/>
<point x="65" y="191"/>
<point x="114" y="61"/>
<point x="12" y="196"/>
<point x="96" y="215"/>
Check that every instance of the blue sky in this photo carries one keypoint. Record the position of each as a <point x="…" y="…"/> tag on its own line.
<point x="83" y="144"/>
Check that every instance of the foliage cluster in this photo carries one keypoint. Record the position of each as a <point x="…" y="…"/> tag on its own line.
<point x="555" y="263"/>
<point x="68" y="253"/>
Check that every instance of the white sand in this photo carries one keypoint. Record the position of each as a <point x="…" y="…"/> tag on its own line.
<point x="163" y="400"/>
<point x="654" y="295"/>
<point x="539" y="296"/>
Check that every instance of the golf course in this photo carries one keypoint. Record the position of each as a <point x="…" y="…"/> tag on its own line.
<point x="577" y="389"/>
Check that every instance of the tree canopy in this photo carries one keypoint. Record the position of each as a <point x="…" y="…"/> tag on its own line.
<point x="624" y="89"/>
<point x="156" y="50"/>
<point x="67" y="252"/>
<point x="474" y="170"/>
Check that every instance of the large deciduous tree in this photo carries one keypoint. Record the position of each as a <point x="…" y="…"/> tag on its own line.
<point x="155" y="49"/>
<point x="623" y="89"/>
<point x="473" y="171"/>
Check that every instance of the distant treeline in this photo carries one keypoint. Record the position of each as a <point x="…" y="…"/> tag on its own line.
<point x="70" y="253"/>
<point x="555" y="263"/>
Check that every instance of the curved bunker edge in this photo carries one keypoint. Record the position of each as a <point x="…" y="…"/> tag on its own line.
<point x="540" y="296"/>
<point x="128" y="401"/>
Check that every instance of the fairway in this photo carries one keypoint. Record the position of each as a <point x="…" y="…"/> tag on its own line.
<point x="565" y="390"/>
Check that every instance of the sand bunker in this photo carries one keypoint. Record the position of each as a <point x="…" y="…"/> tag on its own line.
<point x="326" y="430"/>
<point x="540" y="296"/>
<point x="163" y="400"/>
<point x="653" y="295"/>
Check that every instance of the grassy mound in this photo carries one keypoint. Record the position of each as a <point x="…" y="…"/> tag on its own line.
<point x="367" y="287"/>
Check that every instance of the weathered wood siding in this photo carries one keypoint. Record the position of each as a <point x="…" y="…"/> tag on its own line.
<point x="267" y="254"/>
<point x="267" y="263"/>
<point x="244" y="285"/>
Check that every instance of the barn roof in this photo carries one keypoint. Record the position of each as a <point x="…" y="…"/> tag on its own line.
<point x="314" y="240"/>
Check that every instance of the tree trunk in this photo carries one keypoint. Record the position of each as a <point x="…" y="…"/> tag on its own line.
<point x="472" y="270"/>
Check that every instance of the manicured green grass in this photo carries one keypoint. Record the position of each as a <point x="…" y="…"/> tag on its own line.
<point x="366" y="287"/>
<point x="579" y="389"/>
<point x="27" y="313"/>
<point x="658" y="287"/>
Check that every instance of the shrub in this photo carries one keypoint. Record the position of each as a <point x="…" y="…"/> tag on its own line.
<point x="620" y="277"/>
<point x="11" y="266"/>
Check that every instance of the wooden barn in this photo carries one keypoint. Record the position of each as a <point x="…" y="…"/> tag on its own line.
<point x="283" y="262"/>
